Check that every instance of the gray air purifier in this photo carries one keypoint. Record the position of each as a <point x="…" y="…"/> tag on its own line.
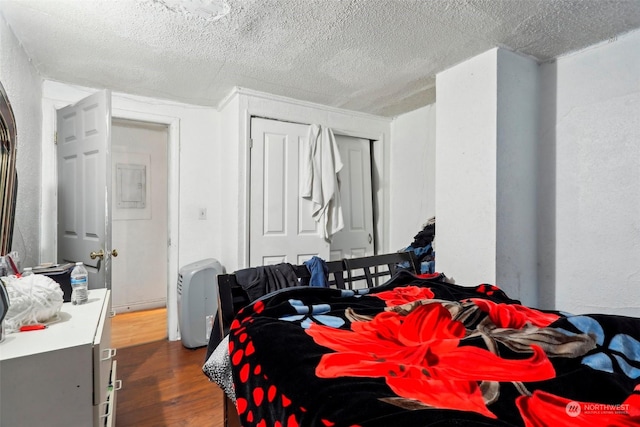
<point x="198" y="301"/>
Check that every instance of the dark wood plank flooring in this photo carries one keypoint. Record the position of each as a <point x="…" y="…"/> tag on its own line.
<point x="163" y="386"/>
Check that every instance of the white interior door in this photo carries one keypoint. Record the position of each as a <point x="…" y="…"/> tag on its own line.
<point x="84" y="185"/>
<point x="356" y="239"/>
<point x="281" y="226"/>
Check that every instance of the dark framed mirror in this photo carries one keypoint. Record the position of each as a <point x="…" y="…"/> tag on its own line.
<point x="8" y="175"/>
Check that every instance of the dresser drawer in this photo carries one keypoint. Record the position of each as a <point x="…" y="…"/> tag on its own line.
<point x="105" y="412"/>
<point x="103" y="355"/>
<point x="114" y="386"/>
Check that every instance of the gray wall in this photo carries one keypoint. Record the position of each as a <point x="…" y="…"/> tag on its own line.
<point x="24" y="88"/>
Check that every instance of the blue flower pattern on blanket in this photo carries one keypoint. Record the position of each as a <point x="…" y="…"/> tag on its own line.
<point x="308" y="314"/>
<point x="622" y="347"/>
<point x="354" y="292"/>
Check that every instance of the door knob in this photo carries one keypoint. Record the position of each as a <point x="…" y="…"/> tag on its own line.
<point x="114" y="253"/>
<point x="99" y="254"/>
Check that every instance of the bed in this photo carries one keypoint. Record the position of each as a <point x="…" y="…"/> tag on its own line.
<point x="419" y="351"/>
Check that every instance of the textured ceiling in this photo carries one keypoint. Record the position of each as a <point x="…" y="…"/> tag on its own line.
<point x="374" y="56"/>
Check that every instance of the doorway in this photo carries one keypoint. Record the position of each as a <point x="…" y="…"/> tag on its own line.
<point x="56" y="100"/>
<point x="139" y="171"/>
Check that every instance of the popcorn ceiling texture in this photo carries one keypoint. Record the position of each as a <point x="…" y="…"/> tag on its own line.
<point x="373" y="56"/>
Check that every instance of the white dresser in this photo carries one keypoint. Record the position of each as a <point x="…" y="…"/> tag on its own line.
<point x="62" y="376"/>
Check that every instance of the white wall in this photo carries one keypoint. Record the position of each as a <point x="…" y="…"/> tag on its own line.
<point x="24" y="89"/>
<point x="486" y="131"/>
<point x="590" y="147"/>
<point x="230" y="202"/>
<point x="588" y="178"/>
<point x="466" y="170"/>
<point x="517" y="127"/>
<point x="412" y="186"/>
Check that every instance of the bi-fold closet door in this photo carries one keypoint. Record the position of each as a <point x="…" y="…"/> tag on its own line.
<point x="281" y="225"/>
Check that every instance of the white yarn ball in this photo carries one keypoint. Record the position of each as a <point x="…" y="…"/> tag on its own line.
<point x="32" y="299"/>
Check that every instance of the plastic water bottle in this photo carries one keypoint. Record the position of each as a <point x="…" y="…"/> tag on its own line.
<point x="79" y="284"/>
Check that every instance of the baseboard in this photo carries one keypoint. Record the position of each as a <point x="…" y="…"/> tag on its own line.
<point x="144" y="305"/>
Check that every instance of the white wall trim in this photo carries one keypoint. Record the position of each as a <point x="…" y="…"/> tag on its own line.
<point x="225" y="101"/>
<point x="245" y="183"/>
<point x="298" y="103"/>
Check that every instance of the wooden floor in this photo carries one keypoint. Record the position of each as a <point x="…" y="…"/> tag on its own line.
<point x="138" y="327"/>
<point x="162" y="381"/>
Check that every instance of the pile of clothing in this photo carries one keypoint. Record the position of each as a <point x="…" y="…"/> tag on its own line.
<point x="422" y="247"/>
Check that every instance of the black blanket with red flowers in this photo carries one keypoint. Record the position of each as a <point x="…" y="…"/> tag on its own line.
<point x="418" y="352"/>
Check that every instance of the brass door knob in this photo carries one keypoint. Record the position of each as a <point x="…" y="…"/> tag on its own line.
<point x="114" y="253"/>
<point x="99" y="254"/>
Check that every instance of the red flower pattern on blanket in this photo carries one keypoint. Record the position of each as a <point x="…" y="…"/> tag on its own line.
<point x="544" y="409"/>
<point x="420" y="357"/>
<point x="403" y="295"/>
<point x="514" y="316"/>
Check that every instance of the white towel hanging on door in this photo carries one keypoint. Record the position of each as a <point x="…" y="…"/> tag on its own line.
<point x="320" y="183"/>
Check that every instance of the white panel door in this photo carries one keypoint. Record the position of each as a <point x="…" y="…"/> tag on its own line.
<point x="281" y="226"/>
<point x="84" y="185"/>
<point x="356" y="239"/>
